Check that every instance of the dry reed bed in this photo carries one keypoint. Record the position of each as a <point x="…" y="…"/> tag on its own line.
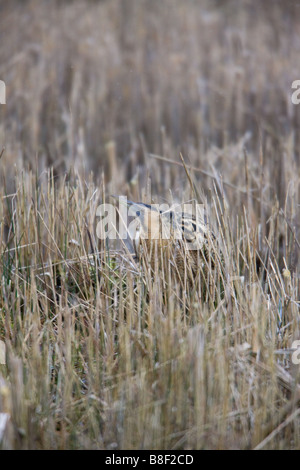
<point x="100" y="354"/>
<point x="116" y="359"/>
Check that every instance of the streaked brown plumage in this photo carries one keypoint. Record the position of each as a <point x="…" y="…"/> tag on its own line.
<point x="175" y="237"/>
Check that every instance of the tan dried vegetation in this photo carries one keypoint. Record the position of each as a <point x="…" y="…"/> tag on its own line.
<point x="102" y="349"/>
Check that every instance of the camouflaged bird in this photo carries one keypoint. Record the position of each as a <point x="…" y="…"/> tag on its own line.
<point x="162" y="236"/>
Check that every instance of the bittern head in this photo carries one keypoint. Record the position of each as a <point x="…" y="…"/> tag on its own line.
<point x="164" y="236"/>
<point x="167" y="224"/>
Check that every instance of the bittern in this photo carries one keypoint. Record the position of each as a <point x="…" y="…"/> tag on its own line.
<point x="183" y="239"/>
